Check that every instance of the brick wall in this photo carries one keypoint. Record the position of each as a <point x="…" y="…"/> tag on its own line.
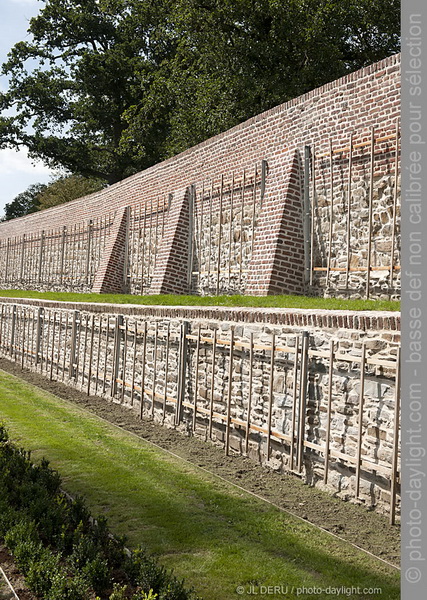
<point x="322" y="118"/>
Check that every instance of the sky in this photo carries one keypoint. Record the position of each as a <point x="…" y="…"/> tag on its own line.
<point x="17" y="171"/>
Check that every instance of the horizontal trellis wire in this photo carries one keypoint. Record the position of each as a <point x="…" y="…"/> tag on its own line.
<point x="354" y="212"/>
<point x="225" y="211"/>
<point x="65" y="258"/>
<point x="146" y="227"/>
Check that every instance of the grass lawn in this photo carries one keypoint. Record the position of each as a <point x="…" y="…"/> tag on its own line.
<point x="177" y="300"/>
<point x="212" y="534"/>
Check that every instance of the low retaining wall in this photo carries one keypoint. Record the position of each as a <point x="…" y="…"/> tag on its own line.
<point x="313" y="393"/>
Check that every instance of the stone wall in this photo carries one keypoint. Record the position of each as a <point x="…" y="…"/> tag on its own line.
<point x="279" y="386"/>
<point x="63" y="259"/>
<point x="315" y="201"/>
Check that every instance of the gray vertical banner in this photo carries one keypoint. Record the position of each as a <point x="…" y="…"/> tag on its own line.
<point x="414" y="300"/>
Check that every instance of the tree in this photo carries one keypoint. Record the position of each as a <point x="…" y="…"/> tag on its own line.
<point x="61" y="189"/>
<point x="66" y="188"/>
<point x="237" y="59"/>
<point x="24" y="203"/>
<point x="121" y="84"/>
<point x="89" y="61"/>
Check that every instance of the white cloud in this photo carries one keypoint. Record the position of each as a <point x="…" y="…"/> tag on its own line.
<point x="12" y="161"/>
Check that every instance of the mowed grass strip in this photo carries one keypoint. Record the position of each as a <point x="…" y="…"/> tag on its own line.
<point x="284" y="301"/>
<point x="212" y="534"/>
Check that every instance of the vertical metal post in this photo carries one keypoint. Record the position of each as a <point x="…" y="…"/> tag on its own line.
<point x="165" y="396"/>
<point x="72" y="252"/>
<point x="6" y="267"/>
<point x="163" y="216"/>
<point x="138" y="244"/>
<point x="150" y="233"/>
<point x="124" y="358"/>
<point x="313" y="199"/>
<point x="264" y="173"/>
<point x="350" y="174"/>
<point x="157" y="233"/>
<point x="88" y="249"/>
<point x="303" y="398"/>
<point x="143" y="253"/>
<point x="230" y="231"/>
<point x="92" y="334"/>
<point x="331" y="214"/>
<point x="65" y="345"/>
<point x="126" y="260"/>
<point x="328" y="411"/>
<point x="153" y="397"/>
<point x="196" y="379"/>
<point x="107" y="335"/>
<point x="306" y="216"/>
<point x="253" y="211"/>
<point x="52" y="350"/>
<point x="73" y="349"/>
<point x="144" y="355"/>
<point x="182" y="365"/>
<point x="98" y="354"/>
<point x="230" y="389"/>
<point x="116" y="354"/>
<point x="191" y="201"/>
<point x="294" y="405"/>
<point x="21" y="270"/>
<point x="135" y="336"/>
<point x="59" y="343"/>
<point x="251" y="370"/>
<point x="24" y="323"/>
<point x="270" y="395"/>
<point x="221" y="193"/>
<point x="62" y="257"/>
<point x="39" y="278"/>
<point x="12" y="330"/>
<point x="201" y="236"/>
<point x="63" y="252"/>
<point x="242" y="218"/>
<point x="40" y="319"/>
<point x="212" y="384"/>
<point x="371" y="202"/>
<point x="210" y="233"/>
<point x="360" y="420"/>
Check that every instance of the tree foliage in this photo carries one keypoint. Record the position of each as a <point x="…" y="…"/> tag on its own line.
<point x="61" y="189"/>
<point x="67" y="188"/>
<point x="108" y="87"/>
<point x="24" y="203"/>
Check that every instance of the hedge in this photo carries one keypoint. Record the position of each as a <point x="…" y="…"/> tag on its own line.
<point x="64" y="553"/>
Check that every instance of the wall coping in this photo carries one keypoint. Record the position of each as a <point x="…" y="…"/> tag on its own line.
<point x="297" y="317"/>
<point x="388" y="62"/>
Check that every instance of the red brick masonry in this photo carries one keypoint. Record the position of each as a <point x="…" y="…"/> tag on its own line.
<point x="368" y="97"/>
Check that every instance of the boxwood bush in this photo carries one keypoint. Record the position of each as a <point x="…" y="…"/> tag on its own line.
<point x="62" y="551"/>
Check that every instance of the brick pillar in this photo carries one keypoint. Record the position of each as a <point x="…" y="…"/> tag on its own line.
<point x="109" y="278"/>
<point x="171" y="274"/>
<point x="277" y="264"/>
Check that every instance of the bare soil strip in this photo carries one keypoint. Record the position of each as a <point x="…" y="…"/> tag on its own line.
<point x="353" y="523"/>
<point x="15" y="578"/>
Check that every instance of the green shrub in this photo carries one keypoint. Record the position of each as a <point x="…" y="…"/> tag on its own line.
<point x="64" y="553"/>
<point x="119" y="592"/>
<point x="97" y="573"/>
<point x="66" y="588"/>
<point x="42" y="572"/>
